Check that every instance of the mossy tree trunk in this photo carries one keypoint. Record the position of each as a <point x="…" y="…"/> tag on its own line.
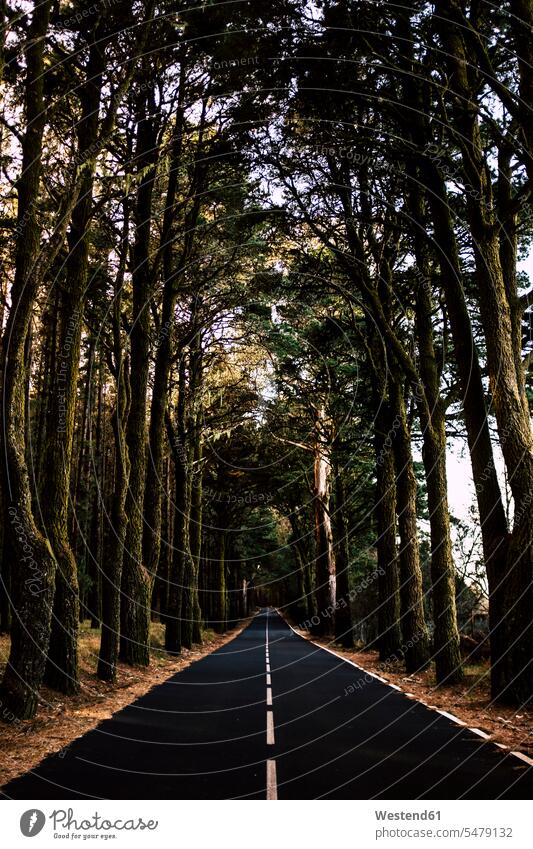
<point x="427" y="172"/>
<point x="62" y="668"/>
<point x="179" y="607"/>
<point x="446" y="650"/>
<point x="137" y="580"/>
<point x="415" y="637"/>
<point x="33" y="563"/>
<point x="195" y="482"/>
<point x="500" y="310"/>
<point x="389" y="634"/>
<point x="111" y="566"/>
<point x="493" y="520"/>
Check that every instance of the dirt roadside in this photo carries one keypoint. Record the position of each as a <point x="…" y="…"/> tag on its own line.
<point x="61" y="719"/>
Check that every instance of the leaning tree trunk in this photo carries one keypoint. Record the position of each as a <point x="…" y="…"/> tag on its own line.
<point x="498" y="305"/>
<point x="33" y="579"/>
<point x="426" y="172"/>
<point x="516" y="440"/>
<point x="493" y="520"/>
<point x="415" y="636"/>
<point x="446" y="649"/>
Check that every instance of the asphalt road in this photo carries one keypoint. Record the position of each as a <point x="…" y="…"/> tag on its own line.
<point x="270" y="715"/>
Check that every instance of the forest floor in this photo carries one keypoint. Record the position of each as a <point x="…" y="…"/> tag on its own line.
<point x="469" y="701"/>
<point x="61" y="719"/>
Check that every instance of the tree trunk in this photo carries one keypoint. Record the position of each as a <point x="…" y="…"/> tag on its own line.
<point x="324" y="556"/>
<point x="493" y="521"/>
<point x="343" y="614"/>
<point x="219" y="598"/>
<point x="94" y="553"/>
<point x="498" y="306"/>
<point x="163" y="357"/>
<point x="179" y="614"/>
<point x="33" y="579"/>
<point x="137" y="580"/>
<point x="62" y="668"/>
<point x="425" y="171"/>
<point x="195" y="532"/>
<point x="195" y="477"/>
<point x="415" y="636"/>
<point x="389" y="634"/>
<point x="111" y="566"/>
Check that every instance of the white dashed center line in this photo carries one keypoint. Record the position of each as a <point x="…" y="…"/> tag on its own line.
<point x="270" y="729"/>
<point x="271" y="780"/>
<point x="272" y="784"/>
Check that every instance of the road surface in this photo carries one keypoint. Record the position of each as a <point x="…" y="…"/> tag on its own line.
<point x="269" y="715"/>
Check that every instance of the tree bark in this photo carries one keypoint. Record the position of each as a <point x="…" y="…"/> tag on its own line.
<point x="111" y="567"/>
<point x="324" y="555"/>
<point x="343" y="614"/>
<point x="446" y="649"/>
<point x="33" y="579"/>
<point x="497" y="303"/>
<point x="416" y="649"/>
<point x="179" y="597"/>
<point x="219" y="599"/>
<point x="62" y="668"/>
<point x="137" y="580"/>
<point x="493" y="521"/>
<point x="389" y="634"/>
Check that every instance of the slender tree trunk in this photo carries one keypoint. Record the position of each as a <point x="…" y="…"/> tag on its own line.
<point x="137" y="580"/>
<point x="179" y="614"/>
<point x="324" y="556"/>
<point x="195" y="496"/>
<point x="94" y="554"/>
<point x="219" y="598"/>
<point x="165" y="552"/>
<point x="112" y="563"/>
<point x="446" y="650"/>
<point x="415" y="636"/>
<point x="195" y="532"/>
<point x="306" y="607"/>
<point x="111" y="566"/>
<point x="343" y="614"/>
<point x="389" y="634"/>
